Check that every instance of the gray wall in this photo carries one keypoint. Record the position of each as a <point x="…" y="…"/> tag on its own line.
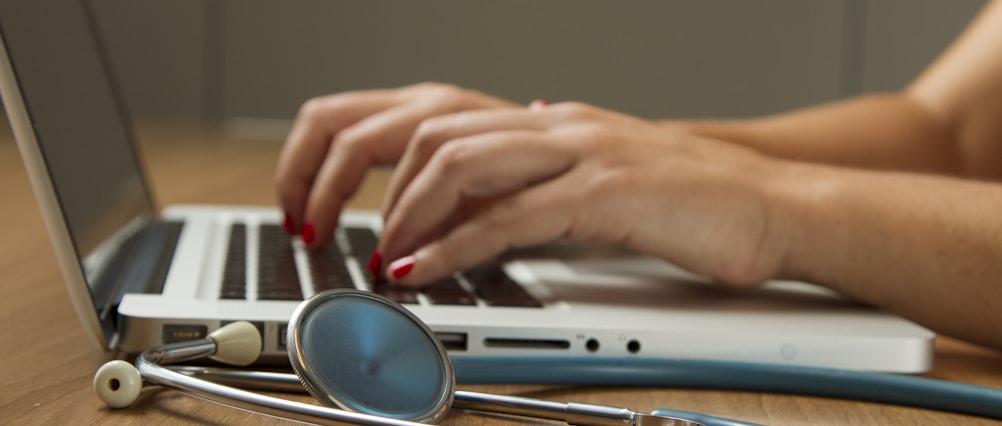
<point x="654" y="58"/>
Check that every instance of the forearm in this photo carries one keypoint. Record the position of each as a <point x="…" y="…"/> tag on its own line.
<point x="927" y="248"/>
<point x="890" y="131"/>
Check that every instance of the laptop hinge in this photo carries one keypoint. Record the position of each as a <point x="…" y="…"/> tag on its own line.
<point x="139" y="265"/>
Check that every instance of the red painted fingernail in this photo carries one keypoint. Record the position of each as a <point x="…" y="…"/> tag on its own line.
<point x="376" y="264"/>
<point x="401" y="267"/>
<point x="308" y="233"/>
<point x="287" y="224"/>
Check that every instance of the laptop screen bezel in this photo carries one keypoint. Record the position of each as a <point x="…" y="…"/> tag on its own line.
<point x="103" y="330"/>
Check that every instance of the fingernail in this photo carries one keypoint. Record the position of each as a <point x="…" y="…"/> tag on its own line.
<point x="401" y="267"/>
<point x="538" y="104"/>
<point x="376" y="264"/>
<point x="287" y="224"/>
<point x="308" y="233"/>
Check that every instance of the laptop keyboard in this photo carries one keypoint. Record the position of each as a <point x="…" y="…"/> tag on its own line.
<point x="278" y="277"/>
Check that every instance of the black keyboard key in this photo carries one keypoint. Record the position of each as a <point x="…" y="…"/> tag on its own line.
<point x="277" y="278"/>
<point x="493" y="285"/>
<point x="328" y="270"/>
<point x="361" y="241"/>
<point x="448" y="292"/>
<point x="235" y="267"/>
<point x="402" y="295"/>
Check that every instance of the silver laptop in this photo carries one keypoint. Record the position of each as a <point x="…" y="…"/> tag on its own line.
<point x="139" y="276"/>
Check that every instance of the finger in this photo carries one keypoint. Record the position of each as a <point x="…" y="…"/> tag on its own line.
<point x="375" y="140"/>
<point x="435" y="132"/>
<point x="316" y="125"/>
<point x="534" y="216"/>
<point x="480" y="166"/>
<point x="538" y="104"/>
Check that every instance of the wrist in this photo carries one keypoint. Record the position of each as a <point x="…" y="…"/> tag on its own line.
<point x="803" y="217"/>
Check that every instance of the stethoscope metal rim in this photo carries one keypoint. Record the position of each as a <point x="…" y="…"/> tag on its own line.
<point x="311" y="378"/>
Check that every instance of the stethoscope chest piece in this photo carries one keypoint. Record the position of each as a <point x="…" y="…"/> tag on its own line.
<point x="367" y="354"/>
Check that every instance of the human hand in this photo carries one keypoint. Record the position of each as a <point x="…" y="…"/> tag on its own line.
<point x="576" y="172"/>
<point x="337" y="138"/>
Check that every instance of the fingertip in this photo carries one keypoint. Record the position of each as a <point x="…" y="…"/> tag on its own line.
<point x="401" y="268"/>
<point x="317" y="234"/>
<point x="308" y="234"/>
<point x="417" y="269"/>
<point x="538" y="104"/>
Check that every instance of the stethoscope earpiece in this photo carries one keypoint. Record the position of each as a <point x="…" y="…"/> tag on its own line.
<point x="117" y="383"/>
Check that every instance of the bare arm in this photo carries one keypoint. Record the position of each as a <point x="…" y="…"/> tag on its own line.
<point x="949" y="120"/>
<point x="926" y="247"/>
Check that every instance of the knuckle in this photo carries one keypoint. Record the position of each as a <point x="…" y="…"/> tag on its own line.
<point x="351" y="142"/>
<point x="452" y="158"/>
<point x="577" y="110"/>
<point x="428" y="134"/>
<point x="314" y="108"/>
<point x="428" y="86"/>
<point x="446" y="96"/>
<point x="592" y="138"/>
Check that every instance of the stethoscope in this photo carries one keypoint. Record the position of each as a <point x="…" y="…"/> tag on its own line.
<point x="370" y="361"/>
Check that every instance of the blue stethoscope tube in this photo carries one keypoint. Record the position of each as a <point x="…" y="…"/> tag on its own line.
<point x="799" y="380"/>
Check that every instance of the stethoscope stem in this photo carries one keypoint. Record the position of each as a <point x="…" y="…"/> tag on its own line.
<point x="152" y="372"/>
<point x="571" y="413"/>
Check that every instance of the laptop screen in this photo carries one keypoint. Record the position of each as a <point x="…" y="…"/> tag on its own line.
<point x="78" y="122"/>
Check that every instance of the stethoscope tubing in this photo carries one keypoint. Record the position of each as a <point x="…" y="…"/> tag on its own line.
<point x="799" y="380"/>
<point x="773" y="378"/>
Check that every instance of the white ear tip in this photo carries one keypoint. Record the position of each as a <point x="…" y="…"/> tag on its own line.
<point x="237" y="343"/>
<point x="117" y="384"/>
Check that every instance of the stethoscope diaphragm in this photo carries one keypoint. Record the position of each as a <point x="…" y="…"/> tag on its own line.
<point x="364" y="353"/>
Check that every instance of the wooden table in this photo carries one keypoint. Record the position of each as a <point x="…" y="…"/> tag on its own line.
<point x="47" y="362"/>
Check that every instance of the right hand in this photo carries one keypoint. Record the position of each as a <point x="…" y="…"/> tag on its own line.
<point x="336" y="139"/>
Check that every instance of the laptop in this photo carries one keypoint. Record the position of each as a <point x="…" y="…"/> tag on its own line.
<point x="140" y="275"/>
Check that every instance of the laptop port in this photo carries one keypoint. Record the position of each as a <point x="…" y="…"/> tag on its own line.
<point x="173" y="333"/>
<point x="498" y="342"/>
<point x="633" y="346"/>
<point x="452" y="341"/>
<point x="283" y="337"/>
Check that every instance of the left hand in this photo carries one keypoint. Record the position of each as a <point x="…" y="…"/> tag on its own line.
<point x="576" y="172"/>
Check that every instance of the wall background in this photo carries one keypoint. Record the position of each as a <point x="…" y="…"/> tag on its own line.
<point x="258" y="59"/>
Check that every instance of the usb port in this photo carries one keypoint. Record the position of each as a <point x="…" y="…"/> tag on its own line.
<point x="452" y="341"/>
<point x="173" y="333"/>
